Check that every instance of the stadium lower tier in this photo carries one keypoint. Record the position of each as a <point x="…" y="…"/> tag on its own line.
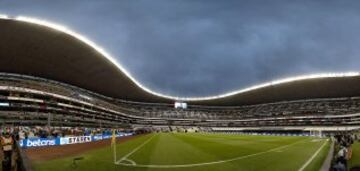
<point x="27" y="100"/>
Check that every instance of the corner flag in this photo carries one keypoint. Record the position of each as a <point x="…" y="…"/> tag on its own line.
<point x="113" y="138"/>
<point x="113" y="143"/>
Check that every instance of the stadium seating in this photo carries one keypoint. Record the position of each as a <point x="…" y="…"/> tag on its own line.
<point x="27" y="100"/>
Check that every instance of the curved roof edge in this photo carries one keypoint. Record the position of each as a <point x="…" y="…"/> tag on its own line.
<point x="206" y="98"/>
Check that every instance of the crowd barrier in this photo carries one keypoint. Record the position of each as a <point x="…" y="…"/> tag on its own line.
<point x="22" y="161"/>
<point x="43" y="142"/>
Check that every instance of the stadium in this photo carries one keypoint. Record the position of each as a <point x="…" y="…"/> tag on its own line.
<point x="53" y="79"/>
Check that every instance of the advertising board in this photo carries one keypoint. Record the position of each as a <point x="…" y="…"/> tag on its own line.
<point x="43" y="142"/>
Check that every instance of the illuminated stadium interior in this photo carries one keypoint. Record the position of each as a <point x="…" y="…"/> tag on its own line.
<point x="40" y="89"/>
<point x="52" y="76"/>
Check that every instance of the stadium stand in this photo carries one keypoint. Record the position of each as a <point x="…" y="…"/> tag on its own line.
<point x="78" y="90"/>
<point x="35" y="101"/>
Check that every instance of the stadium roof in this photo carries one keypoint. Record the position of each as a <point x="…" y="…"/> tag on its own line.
<point x="39" y="48"/>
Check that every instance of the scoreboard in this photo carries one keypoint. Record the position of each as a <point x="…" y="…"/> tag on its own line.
<point x="180" y="105"/>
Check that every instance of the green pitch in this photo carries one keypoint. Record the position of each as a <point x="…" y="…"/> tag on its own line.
<point x="355" y="160"/>
<point x="201" y="152"/>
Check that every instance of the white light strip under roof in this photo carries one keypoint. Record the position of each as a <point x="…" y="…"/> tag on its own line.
<point x="2" y="16"/>
<point x="119" y="66"/>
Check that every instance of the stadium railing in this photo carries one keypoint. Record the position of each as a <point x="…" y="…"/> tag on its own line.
<point x="22" y="161"/>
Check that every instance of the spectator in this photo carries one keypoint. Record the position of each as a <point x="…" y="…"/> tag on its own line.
<point x="7" y="143"/>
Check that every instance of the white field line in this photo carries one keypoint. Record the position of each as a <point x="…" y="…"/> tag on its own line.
<point x="136" y="149"/>
<point x="130" y="161"/>
<point x="210" y="163"/>
<point x="312" y="157"/>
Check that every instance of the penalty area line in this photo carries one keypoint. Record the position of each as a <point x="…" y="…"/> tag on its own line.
<point x="125" y="158"/>
<point x="211" y="163"/>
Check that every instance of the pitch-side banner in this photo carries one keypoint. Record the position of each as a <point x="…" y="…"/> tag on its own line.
<point x="39" y="142"/>
<point x="75" y="140"/>
<point x="43" y="142"/>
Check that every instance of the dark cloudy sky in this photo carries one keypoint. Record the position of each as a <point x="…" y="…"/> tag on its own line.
<point x="208" y="47"/>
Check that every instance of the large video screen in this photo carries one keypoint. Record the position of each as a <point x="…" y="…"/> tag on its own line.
<point x="180" y="105"/>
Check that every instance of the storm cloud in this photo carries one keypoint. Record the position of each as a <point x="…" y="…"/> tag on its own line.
<point x="209" y="47"/>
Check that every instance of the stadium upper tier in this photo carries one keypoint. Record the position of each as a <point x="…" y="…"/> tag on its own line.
<point x="41" y="49"/>
<point x="33" y="101"/>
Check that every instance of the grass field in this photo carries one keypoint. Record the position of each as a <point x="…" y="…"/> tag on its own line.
<point x="355" y="159"/>
<point x="201" y="152"/>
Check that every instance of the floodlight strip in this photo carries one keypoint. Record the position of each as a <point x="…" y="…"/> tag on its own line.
<point x="3" y="16"/>
<point x="122" y="69"/>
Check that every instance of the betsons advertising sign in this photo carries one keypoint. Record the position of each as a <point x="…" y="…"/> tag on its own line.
<point x="39" y="142"/>
<point x="43" y="142"/>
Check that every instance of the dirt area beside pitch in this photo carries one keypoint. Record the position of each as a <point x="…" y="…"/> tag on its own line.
<point x="55" y="152"/>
